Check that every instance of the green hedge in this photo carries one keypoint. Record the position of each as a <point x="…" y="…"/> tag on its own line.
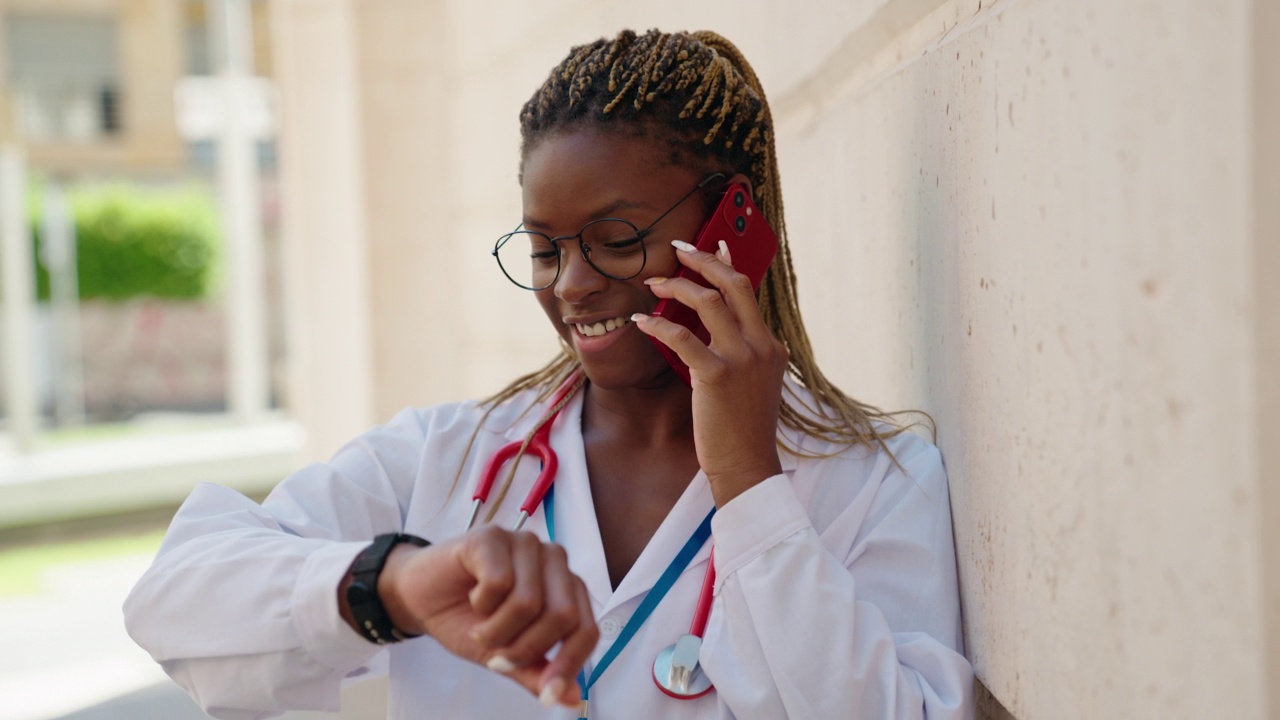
<point x="132" y="242"/>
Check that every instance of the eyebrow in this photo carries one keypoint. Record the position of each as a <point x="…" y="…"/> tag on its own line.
<point x="598" y="213"/>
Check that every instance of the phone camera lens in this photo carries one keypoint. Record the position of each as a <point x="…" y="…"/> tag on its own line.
<point x="740" y="223"/>
<point x="739" y="199"/>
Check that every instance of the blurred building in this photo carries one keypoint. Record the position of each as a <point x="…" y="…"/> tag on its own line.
<point x="89" y="86"/>
<point x="126" y="92"/>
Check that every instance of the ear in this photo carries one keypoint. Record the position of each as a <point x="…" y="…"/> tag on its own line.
<point x="743" y="179"/>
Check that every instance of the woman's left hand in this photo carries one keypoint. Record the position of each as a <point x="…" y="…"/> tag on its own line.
<point x="737" y="379"/>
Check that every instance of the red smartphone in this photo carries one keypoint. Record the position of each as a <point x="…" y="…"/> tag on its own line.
<point x="752" y="245"/>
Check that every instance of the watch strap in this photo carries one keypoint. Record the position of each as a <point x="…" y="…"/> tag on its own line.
<point x="371" y="618"/>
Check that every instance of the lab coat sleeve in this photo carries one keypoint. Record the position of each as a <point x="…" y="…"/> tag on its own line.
<point x="240" y="606"/>
<point x="871" y="631"/>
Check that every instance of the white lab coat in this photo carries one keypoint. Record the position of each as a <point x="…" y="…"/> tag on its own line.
<point x="835" y="597"/>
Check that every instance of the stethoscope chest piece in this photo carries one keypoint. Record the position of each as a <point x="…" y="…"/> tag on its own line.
<point x="676" y="670"/>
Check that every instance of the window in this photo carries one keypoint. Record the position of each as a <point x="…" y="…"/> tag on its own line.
<point x="66" y="78"/>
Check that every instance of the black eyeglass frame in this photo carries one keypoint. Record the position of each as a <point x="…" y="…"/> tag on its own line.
<point x="641" y="234"/>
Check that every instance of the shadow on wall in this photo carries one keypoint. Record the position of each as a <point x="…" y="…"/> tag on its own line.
<point x="989" y="708"/>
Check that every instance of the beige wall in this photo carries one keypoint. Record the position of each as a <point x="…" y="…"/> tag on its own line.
<point x="325" y="249"/>
<point x="406" y="143"/>
<point x="1043" y="222"/>
<point x="1266" y="232"/>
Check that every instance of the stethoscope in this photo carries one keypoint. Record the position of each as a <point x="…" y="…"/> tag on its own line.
<point x="676" y="671"/>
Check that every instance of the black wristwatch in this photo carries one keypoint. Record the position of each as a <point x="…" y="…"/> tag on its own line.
<point x="366" y="607"/>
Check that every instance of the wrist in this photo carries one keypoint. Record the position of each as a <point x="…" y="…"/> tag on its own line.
<point x="389" y="586"/>
<point x="728" y="485"/>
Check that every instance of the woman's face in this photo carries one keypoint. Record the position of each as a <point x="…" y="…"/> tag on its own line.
<point x="583" y="175"/>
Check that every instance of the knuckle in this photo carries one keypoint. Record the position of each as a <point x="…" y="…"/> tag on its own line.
<point x="488" y="532"/>
<point x="741" y="283"/>
<point x="777" y="350"/>
<point x="556" y="552"/>
<point x="491" y="535"/>
<point x="712" y="300"/>
<point x="500" y="581"/>
<point x="715" y="370"/>
<point x="563" y="618"/>
<point x="524" y="606"/>
<point x="681" y="335"/>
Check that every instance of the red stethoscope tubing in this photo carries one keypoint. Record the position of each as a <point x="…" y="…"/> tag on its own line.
<point x="540" y="446"/>
<point x="703" y="610"/>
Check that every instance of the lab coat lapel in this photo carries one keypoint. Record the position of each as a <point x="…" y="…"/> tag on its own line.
<point x="575" y="512"/>
<point x="685" y="517"/>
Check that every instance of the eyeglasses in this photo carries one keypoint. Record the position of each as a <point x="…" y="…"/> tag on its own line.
<point x="613" y="246"/>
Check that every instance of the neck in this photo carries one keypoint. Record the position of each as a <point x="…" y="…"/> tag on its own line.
<point x="651" y="417"/>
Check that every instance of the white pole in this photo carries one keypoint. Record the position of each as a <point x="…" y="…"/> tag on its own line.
<point x="247" y="391"/>
<point x="58" y="252"/>
<point x="17" y="266"/>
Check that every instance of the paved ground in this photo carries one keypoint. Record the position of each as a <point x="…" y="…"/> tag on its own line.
<point x="166" y="701"/>
<point x="64" y="655"/>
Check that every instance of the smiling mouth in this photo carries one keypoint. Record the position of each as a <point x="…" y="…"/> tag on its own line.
<point x="602" y="327"/>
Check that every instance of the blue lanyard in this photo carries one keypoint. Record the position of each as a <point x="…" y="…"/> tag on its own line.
<point x="642" y="613"/>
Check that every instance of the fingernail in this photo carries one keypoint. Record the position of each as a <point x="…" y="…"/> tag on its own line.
<point x="724" y="252"/>
<point x="638" y="317"/>
<point x="654" y="280"/>
<point x="683" y="246"/>
<point x="500" y="664"/>
<point x="551" y="692"/>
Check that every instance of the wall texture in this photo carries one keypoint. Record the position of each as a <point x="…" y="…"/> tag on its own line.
<point x="1045" y="223"/>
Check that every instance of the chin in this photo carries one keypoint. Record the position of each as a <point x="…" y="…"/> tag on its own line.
<point x="649" y="376"/>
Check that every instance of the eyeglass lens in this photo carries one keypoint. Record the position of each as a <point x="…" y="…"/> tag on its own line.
<point x="532" y="260"/>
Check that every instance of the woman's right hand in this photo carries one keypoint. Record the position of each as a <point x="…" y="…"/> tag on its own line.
<point x="500" y="599"/>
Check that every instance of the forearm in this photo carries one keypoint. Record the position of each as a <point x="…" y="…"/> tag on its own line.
<point x="243" y="614"/>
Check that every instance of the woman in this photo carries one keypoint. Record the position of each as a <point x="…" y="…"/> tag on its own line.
<point x="834" y="585"/>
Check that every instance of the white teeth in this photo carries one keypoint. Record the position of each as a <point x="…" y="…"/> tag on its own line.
<point x="600" y="328"/>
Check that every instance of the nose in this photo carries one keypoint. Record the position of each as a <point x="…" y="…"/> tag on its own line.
<point x="578" y="280"/>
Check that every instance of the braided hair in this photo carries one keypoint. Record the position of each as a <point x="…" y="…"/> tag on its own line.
<point x="696" y="93"/>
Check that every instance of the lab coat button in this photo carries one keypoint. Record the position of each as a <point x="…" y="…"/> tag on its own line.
<point x="610" y="626"/>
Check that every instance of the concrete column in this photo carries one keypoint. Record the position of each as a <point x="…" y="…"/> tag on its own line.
<point x="1266" y="266"/>
<point x="325" y="242"/>
<point x="406" y="72"/>
<point x="241" y="205"/>
<point x="19" y="300"/>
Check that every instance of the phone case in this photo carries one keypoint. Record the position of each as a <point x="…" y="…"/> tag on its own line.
<point x="752" y="246"/>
